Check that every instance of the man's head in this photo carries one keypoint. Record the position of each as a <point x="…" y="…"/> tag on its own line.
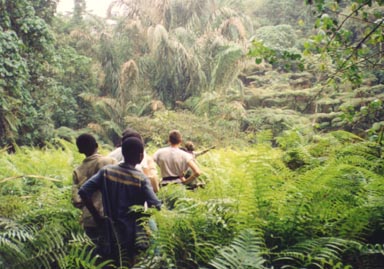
<point x="129" y="132"/>
<point x="175" y="137"/>
<point x="133" y="150"/>
<point x="189" y="146"/>
<point x="86" y="144"/>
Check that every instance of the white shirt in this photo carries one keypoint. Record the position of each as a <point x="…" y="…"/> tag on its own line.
<point x="118" y="155"/>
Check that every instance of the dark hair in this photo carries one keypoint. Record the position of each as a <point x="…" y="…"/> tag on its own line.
<point x="132" y="150"/>
<point x="129" y="132"/>
<point x="189" y="146"/>
<point x="175" y="137"/>
<point x="86" y="144"/>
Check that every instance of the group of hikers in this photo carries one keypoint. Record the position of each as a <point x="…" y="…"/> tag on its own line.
<point x="106" y="189"/>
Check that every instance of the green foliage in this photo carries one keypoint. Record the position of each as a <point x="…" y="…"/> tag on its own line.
<point x="317" y="253"/>
<point x="41" y="78"/>
<point x="202" y="131"/>
<point x="38" y="236"/>
<point x="291" y="199"/>
<point x="16" y="168"/>
<point x="28" y="40"/>
<point x="282" y="59"/>
<point x="11" y="65"/>
<point x="37" y="218"/>
<point x="176" y="81"/>
<point x="343" y="52"/>
<point x="246" y="251"/>
<point x="194" y="227"/>
<point x="75" y="75"/>
<point x="277" y="45"/>
<point x="290" y="12"/>
<point x="78" y="11"/>
<point x="277" y="37"/>
<point x="254" y="211"/>
<point x="180" y="51"/>
<point x="82" y="257"/>
<point x="348" y="49"/>
<point x="275" y="120"/>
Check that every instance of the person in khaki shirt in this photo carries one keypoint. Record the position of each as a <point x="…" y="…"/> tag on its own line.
<point x="87" y="145"/>
<point x="173" y="162"/>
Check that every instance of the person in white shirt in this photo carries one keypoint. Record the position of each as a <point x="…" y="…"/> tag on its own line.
<point x="147" y="165"/>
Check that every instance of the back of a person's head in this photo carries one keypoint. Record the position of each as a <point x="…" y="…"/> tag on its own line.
<point x="129" y="132"/>
<point x="189" y="146"/>
<point x="175" y="137"/>
<point x="86" y="144"/>
<point x="133" y="150"/>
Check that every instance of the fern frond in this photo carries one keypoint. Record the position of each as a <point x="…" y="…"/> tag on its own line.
<point x="246" y="251"/>
<point x="316" y="253"/>
<point x="39" y="248"/>
<point x="9" y="247"/>
<point x="364" y="154"/>
<point x="344" y="136"/>
<point x="83" y="257"/>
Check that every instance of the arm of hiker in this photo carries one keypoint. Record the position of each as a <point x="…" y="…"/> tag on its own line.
<point x="151" y="172"/>
<point x="86" y="191"/>
<point x="76" y="200"/>
<point x="92" y="209"/>
<point x="195" y="172"/>
<point x="150" y="195"/>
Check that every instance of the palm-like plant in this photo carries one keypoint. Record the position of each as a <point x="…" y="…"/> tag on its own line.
<point x="176" y="33"/>
<point x="176" y="74"/>
<point x="150" y="12"/>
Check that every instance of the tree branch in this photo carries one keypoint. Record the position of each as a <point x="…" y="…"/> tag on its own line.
<point x="30" y="176"/>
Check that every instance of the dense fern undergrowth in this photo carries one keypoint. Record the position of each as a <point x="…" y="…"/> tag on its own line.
<point x="314" y="201"/>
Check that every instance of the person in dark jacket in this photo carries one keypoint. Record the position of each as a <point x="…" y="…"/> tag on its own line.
<point x="122" y="187"/>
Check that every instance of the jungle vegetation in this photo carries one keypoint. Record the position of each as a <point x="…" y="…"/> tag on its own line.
<point x="291" y="93"/>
